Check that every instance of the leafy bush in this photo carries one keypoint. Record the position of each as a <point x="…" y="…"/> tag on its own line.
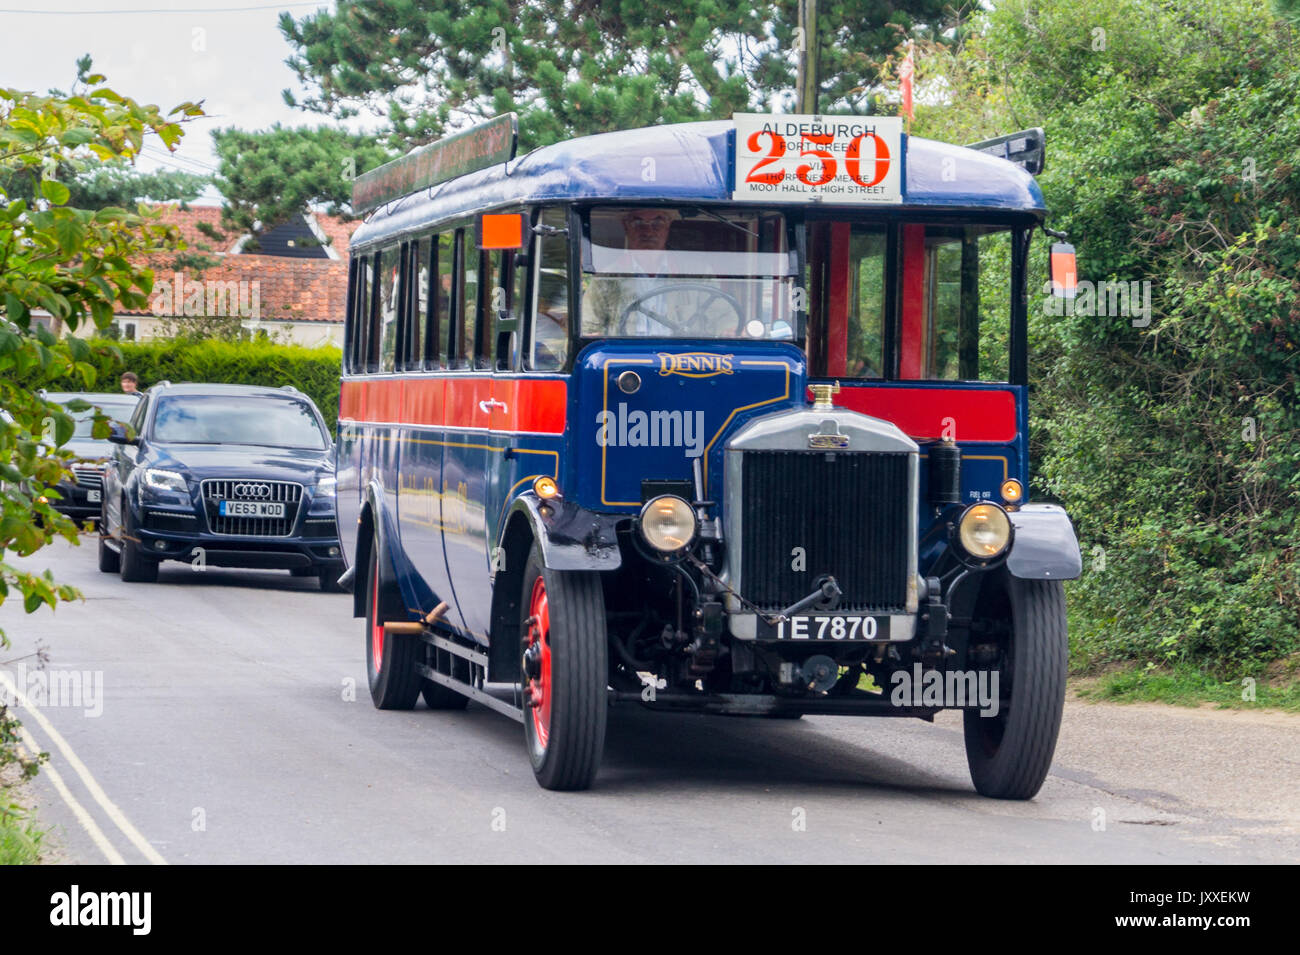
<point x="314" y="371"/>
<point x="1173" y="159"/>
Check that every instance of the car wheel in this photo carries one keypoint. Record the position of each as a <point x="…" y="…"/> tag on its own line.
<point x="391" y="659"/>
<point x="109" y="559"/>
<point x="565" y="674"/>
<point x="133" y="566"/>
<point x="329" y="578"/>
<point x="1010" y="753"/>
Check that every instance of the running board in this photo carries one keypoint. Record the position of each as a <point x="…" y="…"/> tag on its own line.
<point x="473" y="692"/>
<point x="442" y="643"/>
<point x="459" y="686"/>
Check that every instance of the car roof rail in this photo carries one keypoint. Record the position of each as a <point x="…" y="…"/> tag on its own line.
<point x="290" y="388"/>
<point x="161" y="384"/>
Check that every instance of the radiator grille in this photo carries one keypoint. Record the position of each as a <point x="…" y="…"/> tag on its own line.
<point x="283" y="492"/>
<point x="89" y="478"/>
<point x="850" y="514"/>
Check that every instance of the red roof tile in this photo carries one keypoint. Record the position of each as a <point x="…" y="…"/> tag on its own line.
<point x="287" y="289"/>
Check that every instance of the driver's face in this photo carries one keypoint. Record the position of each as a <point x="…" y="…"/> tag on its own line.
<point x="647" y="229"/>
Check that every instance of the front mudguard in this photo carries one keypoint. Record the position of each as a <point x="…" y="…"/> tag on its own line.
<point x="1044" y="546"/>
<point x="570" y="537"/>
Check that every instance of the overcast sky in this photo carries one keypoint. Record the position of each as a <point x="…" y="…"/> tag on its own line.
<point x="228" y="53"/>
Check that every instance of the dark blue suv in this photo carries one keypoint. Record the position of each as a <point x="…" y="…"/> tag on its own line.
<point x="221" y="475"/>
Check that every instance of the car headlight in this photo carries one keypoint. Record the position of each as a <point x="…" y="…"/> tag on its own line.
<point x="984" y="531"/>
<point x="668" y="523"/>
<point x="326" y="487"/>
<point x="160" y="480"/>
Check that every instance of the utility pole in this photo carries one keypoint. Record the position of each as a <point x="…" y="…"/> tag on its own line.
<point x="809" y="79"/>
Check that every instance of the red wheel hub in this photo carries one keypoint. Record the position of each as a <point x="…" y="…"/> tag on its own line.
<point x="539" y="643"/>
<point x="376" y="624"/>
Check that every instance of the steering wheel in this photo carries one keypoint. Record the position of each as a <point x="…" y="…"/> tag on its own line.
<point x="711" y="292"/>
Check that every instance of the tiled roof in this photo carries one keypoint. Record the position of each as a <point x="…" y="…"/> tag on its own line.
<point x="288" y="289"/>
<point x="188" y="220"/>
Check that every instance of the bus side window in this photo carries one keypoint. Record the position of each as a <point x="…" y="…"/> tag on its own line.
<point x="360" y="310"/>
<point x="373" y="326"/>
<point x="466" y="303"/>
<point x="350" y="316"/>
<point x="491" y="301"/>
<point x="964" y="328"/>
<point x="440" y="315"/>
<point x="417" y="294"/>
<point x="548" y="339"/>
<point x="389" y="290"/>
<point x="865" y="346"/>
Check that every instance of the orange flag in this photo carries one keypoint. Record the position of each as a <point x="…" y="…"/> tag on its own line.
<point x="905" y="71"/>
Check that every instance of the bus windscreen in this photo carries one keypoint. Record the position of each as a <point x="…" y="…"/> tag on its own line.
<point x="687" y="272"/>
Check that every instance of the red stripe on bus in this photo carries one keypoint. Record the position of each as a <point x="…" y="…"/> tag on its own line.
<point x="504" y="404"/>
<point x="921" y="412"/>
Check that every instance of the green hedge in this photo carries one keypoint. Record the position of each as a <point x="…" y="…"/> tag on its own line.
<point x="314" y="371"/>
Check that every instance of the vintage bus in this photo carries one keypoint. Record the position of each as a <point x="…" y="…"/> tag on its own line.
<point x="726" y="417"/>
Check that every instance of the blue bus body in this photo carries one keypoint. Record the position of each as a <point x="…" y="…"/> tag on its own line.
<point x="453" y="408"/>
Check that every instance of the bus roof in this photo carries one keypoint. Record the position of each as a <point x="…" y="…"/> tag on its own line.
<point x="691" y="163"/>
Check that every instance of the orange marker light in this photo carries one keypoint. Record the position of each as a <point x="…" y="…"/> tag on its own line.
<point x="502" y="231"/>
<point x="546" y="488"/>
<point x="1065" y="270"/>
<point x="1012" y="492"/>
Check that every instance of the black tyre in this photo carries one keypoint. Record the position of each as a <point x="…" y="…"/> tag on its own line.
<point x="134" y="566"/>
<point x="391" y="659"/>
<point x="329" y="578"/>
<point x="109" y="559"/>
<point x="439" y="697"/>
<point x="565" y="674"/>
<point x="1010" y="753"/>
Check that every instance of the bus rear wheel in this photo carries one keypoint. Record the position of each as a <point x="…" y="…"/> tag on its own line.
<point x="1010" y="753"/>
<point x="391" y="660"/>
<point x="565" y="674"/>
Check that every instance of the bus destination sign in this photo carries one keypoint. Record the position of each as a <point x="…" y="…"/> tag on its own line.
<point x="477" y="148"/>
<point x="832" y="159"/>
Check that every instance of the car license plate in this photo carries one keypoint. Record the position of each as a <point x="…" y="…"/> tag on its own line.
<point x="251" y="509"/>
<point x="831" y="628"/>
<point x="93" y="497"/>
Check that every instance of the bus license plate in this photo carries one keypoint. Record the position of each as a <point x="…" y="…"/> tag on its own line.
<point x="251" y="509"/>
<point x="831" y="627"/>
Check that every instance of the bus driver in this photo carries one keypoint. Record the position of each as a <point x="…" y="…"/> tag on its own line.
<point x="636" y="273"/>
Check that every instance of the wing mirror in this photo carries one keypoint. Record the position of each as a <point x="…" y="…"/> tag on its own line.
<point x="117" y="434"/>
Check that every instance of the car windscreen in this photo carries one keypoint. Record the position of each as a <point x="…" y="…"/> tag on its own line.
<point x="117" y="410"/>
<point x="237" y="419"/>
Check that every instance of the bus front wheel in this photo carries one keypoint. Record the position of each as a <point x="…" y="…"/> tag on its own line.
<point x="1010" y="752"/>
<point x="564" y="674"/>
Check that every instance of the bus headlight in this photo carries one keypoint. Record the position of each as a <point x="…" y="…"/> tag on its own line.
<point x="984" y="531"/>
<point x="667" y="523"/>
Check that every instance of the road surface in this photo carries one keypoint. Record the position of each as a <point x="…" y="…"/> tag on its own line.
<point x="223" y="717"/>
